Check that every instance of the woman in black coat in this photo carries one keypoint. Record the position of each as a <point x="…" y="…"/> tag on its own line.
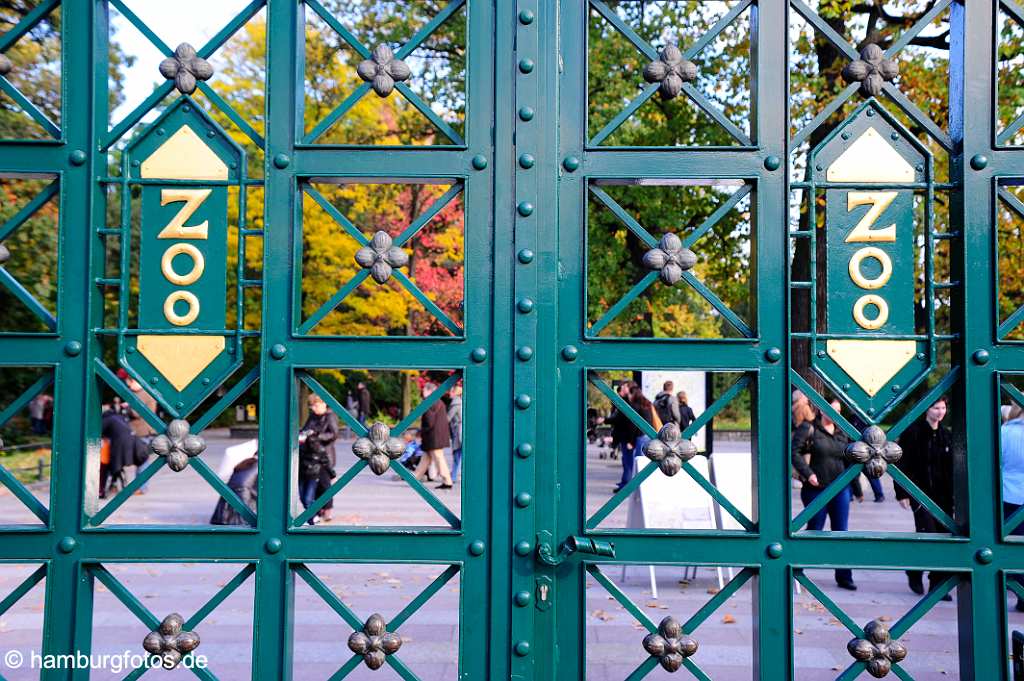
<point x="434" y="437"/>
<point x="826" y="443"/>
<point x="316" y="454"/>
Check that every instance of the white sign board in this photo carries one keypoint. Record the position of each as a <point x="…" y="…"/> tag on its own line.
<point x="234" y="455"/>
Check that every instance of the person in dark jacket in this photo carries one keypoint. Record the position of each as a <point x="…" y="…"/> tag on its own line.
<point x="363" y="400"/>
<point x="686" y="415"/>
<point x="667" y="404"/>
<point x="243" y="482"/>
<point x="825" y="443"/>
<point x="624" y="435"/>
<point x="928" y="461"/>
<point x="316" y="454"/>
<point x="435" y="435"/>
<point x="119" y="434"/>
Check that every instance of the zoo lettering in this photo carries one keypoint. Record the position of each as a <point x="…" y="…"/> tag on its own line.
<point x="177" y="229"/>
<point x="863" y="232"/>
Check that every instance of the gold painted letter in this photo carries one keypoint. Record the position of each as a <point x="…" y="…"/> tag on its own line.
<point x="176" y="228"/>
<point x="879" y="202"/>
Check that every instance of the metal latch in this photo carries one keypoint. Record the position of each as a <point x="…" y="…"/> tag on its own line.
<point x="573" y="544"/>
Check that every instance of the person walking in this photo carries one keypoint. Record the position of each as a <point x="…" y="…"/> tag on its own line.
<point x="455" y="426"/>
<point x="37" y="413"/>
<point x="624" y="434"/>
<point x="435" y="435"/>
<point x="686" y="415"/>
<point x="824" y="443"/>
<point x="928" y="461"/>
<point x="317" y="456"/>
<point x="1011" y="463"/>
<point x="667" y="404"/>
<point x="363" y="400"/>
<point x="243" y="482"/>
<point x="119" y="434"/>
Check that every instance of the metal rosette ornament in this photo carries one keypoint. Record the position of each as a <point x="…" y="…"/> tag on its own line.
<point x="184" y="164"/>
<point x="869" y="350"/>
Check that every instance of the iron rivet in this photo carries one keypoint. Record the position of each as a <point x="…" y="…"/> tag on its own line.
<point x="526" y="113"/>
<point x="232" y="165"/>
<point x="67" y="544"/>
<point x="179" y="405"/>
<point x="821" y="354"/>
<point x="526" y="65"/>
<point x="135" y="164"/>
<point x="526" y="17"/>
<point x="894" y="136"/>
<point x="72" y="348"/>
<point x="523" y="648"/>
<point x="525" y="305"/>
<point x="846" y="386"/>
<point x="523" y="401"/>
<point x="526" y="256"/>
<point x="773" y="163"/>
<point x="980" y="357"/>
<point x="570" y="352"/>
<point x="278" y="351"/>
<point x="211" y="134"/>
<point x="525" y="450"/>
<point x="524" y="353"/>
<point x="920" y="355"/>
<point x="154" y="380"/>
<point x="130" y="348"/>
<point x="186" y="108"/>
<point x="523" y="598"/>
<point x="273" y="545"/>
<point x="523" y="548"/>
<point x="525" y="208"/>
<point x="845" y="135"/>
<point x="984" y="555"/>
<point x="526" y="160"/>
<point x="871" y="112"/>
<point x="478" y="355"/>
<point x="979" y="161"/>
<point x="160" y="132"/>
<point x="206" y="381"/>
<point x="477" y="548"/>
<point x="819" y="167"/>
<point x="871" y="410"/>
<point x="919" y="168"/>
<point x="479" y="161"/>
<point x="78" y="157"/>
<point x="523" y="499"/>
<point x="281" y="161"/>
<point x="773" y="354"/>
<point x="774" y="550"/>
<point x="896" y="388"/>
<point x="571" y="163"/>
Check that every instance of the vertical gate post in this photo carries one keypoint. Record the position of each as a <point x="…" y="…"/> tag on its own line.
<point x="773" y="594"/>
<point x="971" y="102"/>
<point x="272" y="644"/>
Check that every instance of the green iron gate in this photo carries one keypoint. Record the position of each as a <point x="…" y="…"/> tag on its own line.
<point x="165" y="207"/>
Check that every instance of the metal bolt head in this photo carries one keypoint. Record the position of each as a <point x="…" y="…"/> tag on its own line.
<point x="522" y="648"/>
<point x="273" y="545"/>
<point x="523" y="499"/>
<point x="278" y="351"/>
<point x="67" y="544"/>
<point x="773" y="355"/>
<point x="524" y="353"/>
<point x="523" y="548"/>
<point x="478" y="355"/>
<point x="281" y="161"/>
<point x="772" y="163"/>
<point x="525" y="208"/>
<point x="522" y="598"/>
<point x="774" y="550"/>
<point x="77" y="157"/>
<point x="72" y="348"/>
<point x="980" y="357"/>
<point x="479" y="162"/>
<point x="570" y="353"/>
<point x="525" y="450"/>
<point x="571" y="163"/>
<point x="477" y="548"/>
<point x="526" y="65"/>
<point x="526" y="113"/>
<point x="526" y="160"/>
<point x="525" y="305"/>
<point x="526" y="17"/>
<point x="525" y="256"/>
<point x="984" y="555"/>
<point x="979" y="161"/>
<point x="523" y="401"/>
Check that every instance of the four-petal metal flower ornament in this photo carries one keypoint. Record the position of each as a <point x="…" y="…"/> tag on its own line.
<point x="185" y="68"/>
<point x="670" y="645"/>
<point x="670" y="450"/>
<point x="878" y="650"/>
<point x="381" y="256"/>
<point x="378" y="448"/>
<point x="874" y="451"/>
<point x="382" y="70"/>
<point x="670" y="69"/>
<point x="374" y="642"/>
<point x="177" y="444"/>
<point x="169" y="642"/>
<point x="872" y="70"/>
<point x="670" y="258"/>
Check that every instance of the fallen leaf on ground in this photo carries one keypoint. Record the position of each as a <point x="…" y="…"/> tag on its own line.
<point x="728" y="619"/>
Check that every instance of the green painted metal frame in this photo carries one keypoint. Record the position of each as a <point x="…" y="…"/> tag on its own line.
<point x="70" y="552"/>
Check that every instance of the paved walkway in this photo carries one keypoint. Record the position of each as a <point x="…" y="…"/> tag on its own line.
<point x="612" y="637"/>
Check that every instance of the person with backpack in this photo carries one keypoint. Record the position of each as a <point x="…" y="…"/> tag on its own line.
<point x="667" y="405"/>
<point x="317" y="456"/>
